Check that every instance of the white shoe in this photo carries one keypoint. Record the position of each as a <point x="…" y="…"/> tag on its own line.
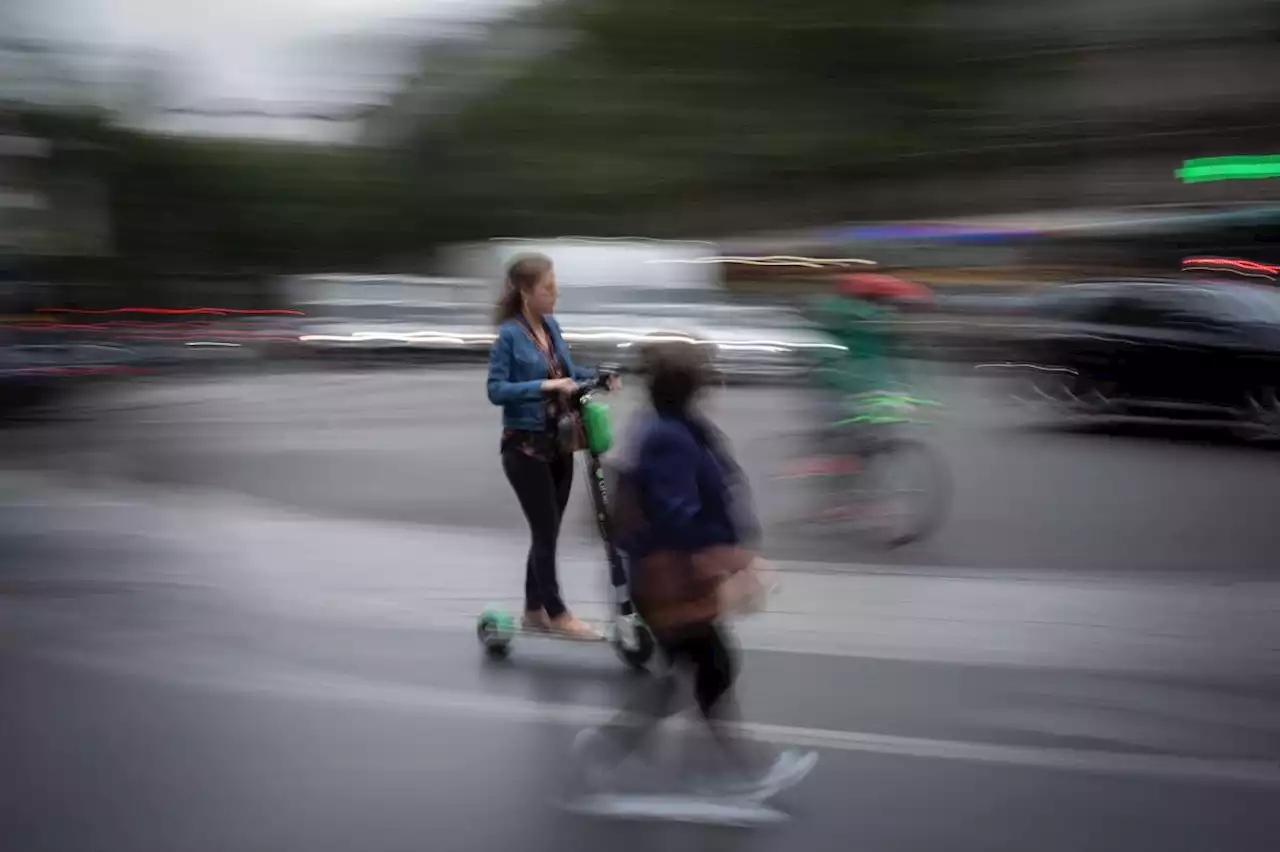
<point x="788" y="769"/>
<point x="587" y="754"/>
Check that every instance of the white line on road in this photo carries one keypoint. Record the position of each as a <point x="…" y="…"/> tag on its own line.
<point x="325" y="687"/>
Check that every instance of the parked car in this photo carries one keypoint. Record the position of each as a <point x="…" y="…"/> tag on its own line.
<point x="1205" y="349"/>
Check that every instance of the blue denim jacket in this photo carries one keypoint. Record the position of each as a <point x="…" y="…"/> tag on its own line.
<point x="517" y="370"/>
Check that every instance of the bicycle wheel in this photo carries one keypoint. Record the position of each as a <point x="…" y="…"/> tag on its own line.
<point x="902" y="494"/>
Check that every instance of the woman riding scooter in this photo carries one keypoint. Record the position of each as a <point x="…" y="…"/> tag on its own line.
<point x="530" y="373"/>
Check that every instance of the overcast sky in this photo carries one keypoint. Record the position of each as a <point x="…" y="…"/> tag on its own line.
<point x="277" y="51"/>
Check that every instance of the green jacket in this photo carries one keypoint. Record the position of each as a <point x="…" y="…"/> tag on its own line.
<point x="859" y="327"/>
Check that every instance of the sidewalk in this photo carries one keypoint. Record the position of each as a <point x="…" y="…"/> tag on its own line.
<point x="412" y="577"/>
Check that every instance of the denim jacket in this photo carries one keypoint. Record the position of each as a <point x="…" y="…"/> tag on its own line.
<point x="517" y="370"/>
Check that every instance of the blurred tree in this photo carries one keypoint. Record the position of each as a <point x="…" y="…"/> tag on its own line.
<point x="191" y="204"/>
<point x="573" y="116"/>
<point x="176" y="204"/>
<point x="660" y="104"/>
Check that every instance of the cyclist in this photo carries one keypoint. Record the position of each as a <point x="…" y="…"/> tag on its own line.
<point x="855" y="317"/>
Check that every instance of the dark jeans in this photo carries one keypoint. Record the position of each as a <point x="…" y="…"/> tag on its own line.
<point x="543" y="490"/>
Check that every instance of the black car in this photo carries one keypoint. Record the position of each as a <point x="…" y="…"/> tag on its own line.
<point x="1206" y="349"/>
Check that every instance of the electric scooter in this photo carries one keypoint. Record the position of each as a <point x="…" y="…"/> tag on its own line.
<point x="626" y="631"/>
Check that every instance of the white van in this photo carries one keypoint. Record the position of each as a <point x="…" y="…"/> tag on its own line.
<point x="588" y="265"/>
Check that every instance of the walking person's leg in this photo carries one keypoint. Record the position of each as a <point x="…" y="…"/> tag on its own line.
<point x="751" y="771"/>
<point x="600" y="750"/>
<point x="714" y="674"/>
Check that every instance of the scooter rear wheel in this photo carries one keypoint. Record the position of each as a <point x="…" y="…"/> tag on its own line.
<point x="495" y="630"/>
<point x="637" y="657"/>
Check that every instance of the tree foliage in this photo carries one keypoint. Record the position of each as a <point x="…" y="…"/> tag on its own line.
<point x="645" y="112"/>
<point x="657" y="104"/>
<point x="189" y="203"/>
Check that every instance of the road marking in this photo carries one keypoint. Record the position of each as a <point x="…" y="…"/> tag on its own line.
<point x="314" y="686"/>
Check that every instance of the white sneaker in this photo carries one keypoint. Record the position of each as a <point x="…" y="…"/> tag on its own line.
<point x="587" y="755"/>
<point x="788" y="769"/>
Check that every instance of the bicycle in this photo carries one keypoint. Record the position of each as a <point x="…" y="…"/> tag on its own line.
<point x="855" y="462"/>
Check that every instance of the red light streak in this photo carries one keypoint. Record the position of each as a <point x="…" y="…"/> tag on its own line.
<point x="160" y="331"/>
<point x="1250" y="265"/>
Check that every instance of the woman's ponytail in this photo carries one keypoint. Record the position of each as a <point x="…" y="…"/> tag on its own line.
<point x="509" y="304"/>
<point x="523" y="275"/>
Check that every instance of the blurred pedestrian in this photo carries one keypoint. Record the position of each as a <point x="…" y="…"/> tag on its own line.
<point x="681" y="516"/>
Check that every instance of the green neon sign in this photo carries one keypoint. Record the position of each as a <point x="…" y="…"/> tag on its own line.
<point x="1229" y="168"/>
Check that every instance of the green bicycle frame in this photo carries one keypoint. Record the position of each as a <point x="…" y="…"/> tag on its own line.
<point x="886" y="408"/>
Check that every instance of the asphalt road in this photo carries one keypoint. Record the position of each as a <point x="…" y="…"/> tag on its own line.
<point x="236" y="614"/>
<point x="420" y="446"/>
<point x="140" y="765"/>
<point x="194" y="673"/>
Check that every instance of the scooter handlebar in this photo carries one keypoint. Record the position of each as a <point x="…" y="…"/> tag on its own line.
<point x="600" y="382"/>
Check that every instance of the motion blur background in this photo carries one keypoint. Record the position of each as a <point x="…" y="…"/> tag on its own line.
<point x="159" y="156"/>
<point x="248" y="253"/>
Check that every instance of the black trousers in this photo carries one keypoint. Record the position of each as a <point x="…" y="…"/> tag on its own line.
<point x="699" y="650"/>
<point x="543" y="490"/>
<point x="702" y="651"/>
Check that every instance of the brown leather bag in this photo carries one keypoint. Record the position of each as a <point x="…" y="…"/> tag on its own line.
<point x="673" y="589"/>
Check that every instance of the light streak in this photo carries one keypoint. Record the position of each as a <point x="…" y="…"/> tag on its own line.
<point x="1250" y="265"/>
<point x="774" y="260"/>
<point x="176" y="312"/>
<point x="1237" y="167"/>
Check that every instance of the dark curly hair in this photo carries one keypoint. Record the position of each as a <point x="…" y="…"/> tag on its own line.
<point x="675" y="367"/>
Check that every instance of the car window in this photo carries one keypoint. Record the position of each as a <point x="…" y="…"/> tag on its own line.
<point x="1181" y="307"/>
<point x="1088" y="304"/>
<point x="1158" y="306"/>
<point x="1235" y="303"/>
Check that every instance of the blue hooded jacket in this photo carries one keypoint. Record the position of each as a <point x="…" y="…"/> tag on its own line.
<point x="689" y="489"/>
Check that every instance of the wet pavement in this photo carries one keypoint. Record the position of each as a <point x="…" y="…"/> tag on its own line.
<point x="421" y="447"/>
<point x="136" y="764"/>
<point x="252" y="666"/>
<point x="197" y="672"/>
